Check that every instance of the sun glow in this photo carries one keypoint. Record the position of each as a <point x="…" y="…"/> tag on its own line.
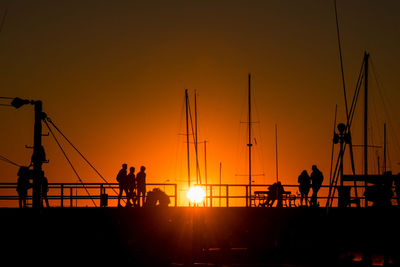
<point x="196" y="194"/>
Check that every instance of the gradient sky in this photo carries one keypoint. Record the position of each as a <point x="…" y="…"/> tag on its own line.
<point x="112" y="75"/>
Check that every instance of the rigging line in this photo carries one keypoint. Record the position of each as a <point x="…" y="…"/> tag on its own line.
<point x="70" y="163"/>
<point x="9" y="161"/>
<point x="5" y="97"/>
<point x="356" y="92"/>
<point x="178" y="141"/>
<point x="52" y="123"/>
<point x="382" y="96"/>
<point x="6" y="105"/>
<point x="194" y="139"/>
<point x="332" y="154"/>
<point x="341" y="60"/>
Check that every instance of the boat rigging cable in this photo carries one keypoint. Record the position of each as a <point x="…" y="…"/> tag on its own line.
<point x="385" y="104"/>
<point x="341" y="60"/>
<point x="4" y="97"/>
<point x="70" y="163"/>
<point x="9" y="161"/>
<point x="76" y="149"/>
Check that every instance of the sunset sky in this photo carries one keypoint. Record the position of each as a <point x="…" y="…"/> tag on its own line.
<point x="112" y="76"/>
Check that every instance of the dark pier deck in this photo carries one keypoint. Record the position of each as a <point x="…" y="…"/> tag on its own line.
<point x="170" y="236"/>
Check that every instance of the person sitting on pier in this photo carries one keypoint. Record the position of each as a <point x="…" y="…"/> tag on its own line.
<point x="316" y="182"/>
<point x="157" y="198"/>
<point x="275" y="192"/>
<point x="131" y="181"/>
<point x="304" y="181"/>
<point x="23" y="185"/>
<point x="122" y="180"/>
<point x="141" y="186"/>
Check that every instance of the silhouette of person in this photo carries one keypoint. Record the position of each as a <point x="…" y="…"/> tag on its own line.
<point x="141" y="186"/>
<point x="157" y="196"/>
<point x="271" y="195"/>
<point x="279" y="194"/>
<point x="45" y="189"/>
<point x="122" y="182"/>
<point x="304" y="181"/>
<point x="316" y="181"/>
<point x="275" y="192"/>
<point x="131" y="183"/>
<point x="23" y="185"/>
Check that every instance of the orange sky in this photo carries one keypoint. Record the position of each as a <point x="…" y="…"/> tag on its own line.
<point x="112" y="77"/>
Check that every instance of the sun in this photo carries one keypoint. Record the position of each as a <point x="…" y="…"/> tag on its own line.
<point x="196" y="194"/>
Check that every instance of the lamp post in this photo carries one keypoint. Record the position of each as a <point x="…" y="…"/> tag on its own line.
<point x="38" y="155"/>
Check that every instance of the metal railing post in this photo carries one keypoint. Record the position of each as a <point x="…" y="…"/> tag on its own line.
<point x="62" y="195"/>
<point x="211" y="196"/>
<point x="71" y="202"/>
<point x="176" y="194"/>
<point x="227" y="196"/>
<point x="247" y="195"/>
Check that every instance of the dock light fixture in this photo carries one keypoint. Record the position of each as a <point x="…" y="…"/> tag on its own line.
<point x="196" y="194"/>
<point x="18" y="102"/>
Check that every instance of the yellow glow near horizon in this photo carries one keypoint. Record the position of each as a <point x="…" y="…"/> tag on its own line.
<point x="196" y="194"/>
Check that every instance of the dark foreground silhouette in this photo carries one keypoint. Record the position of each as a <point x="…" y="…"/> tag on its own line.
<point x="162" y="236"/>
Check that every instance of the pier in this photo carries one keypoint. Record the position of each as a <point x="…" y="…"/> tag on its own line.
<point x="194" y="236"/>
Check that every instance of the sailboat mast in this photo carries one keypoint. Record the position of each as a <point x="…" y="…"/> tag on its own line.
<point x="276" y="149"/>
<point x="384" y="147"/>
<point x="187" y="134"/>
<point x="366" y="56"/>
<point x="195" y="137"/>
<point x="249" y="144"/>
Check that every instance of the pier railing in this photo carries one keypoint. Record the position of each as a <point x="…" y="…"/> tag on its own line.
<point x="76" y="194"/>
<point x="232" y="195"/>
<point x="217" y="195"/>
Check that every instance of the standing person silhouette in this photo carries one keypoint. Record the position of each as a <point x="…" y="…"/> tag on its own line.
<point x="23" y="185"/>
<point x="45" y="189"/>
<point x="141" y="186"/>
<point x="316" y="182"/>
<point x="304" y="181"/>
<point x="122" y="180"/>
<point x="131" y="181"/>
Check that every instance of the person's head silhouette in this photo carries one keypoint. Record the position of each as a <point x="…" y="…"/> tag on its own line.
<point x="314" y="167"/>
<point x="132" y="169"/>
<point x="124" y="166"/>
<point x="143" y="168"/>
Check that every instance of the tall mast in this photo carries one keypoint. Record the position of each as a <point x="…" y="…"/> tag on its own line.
<point x="249" y="144"/>
<point x="366" y="56"/>
<point x="220" y="182"/>
<point x="195" y="137"/>
<point x="205" y="165"/>
<point x="384" y="147"/>
<point x="187" y="134"/>
<point x="276" y="149"/>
